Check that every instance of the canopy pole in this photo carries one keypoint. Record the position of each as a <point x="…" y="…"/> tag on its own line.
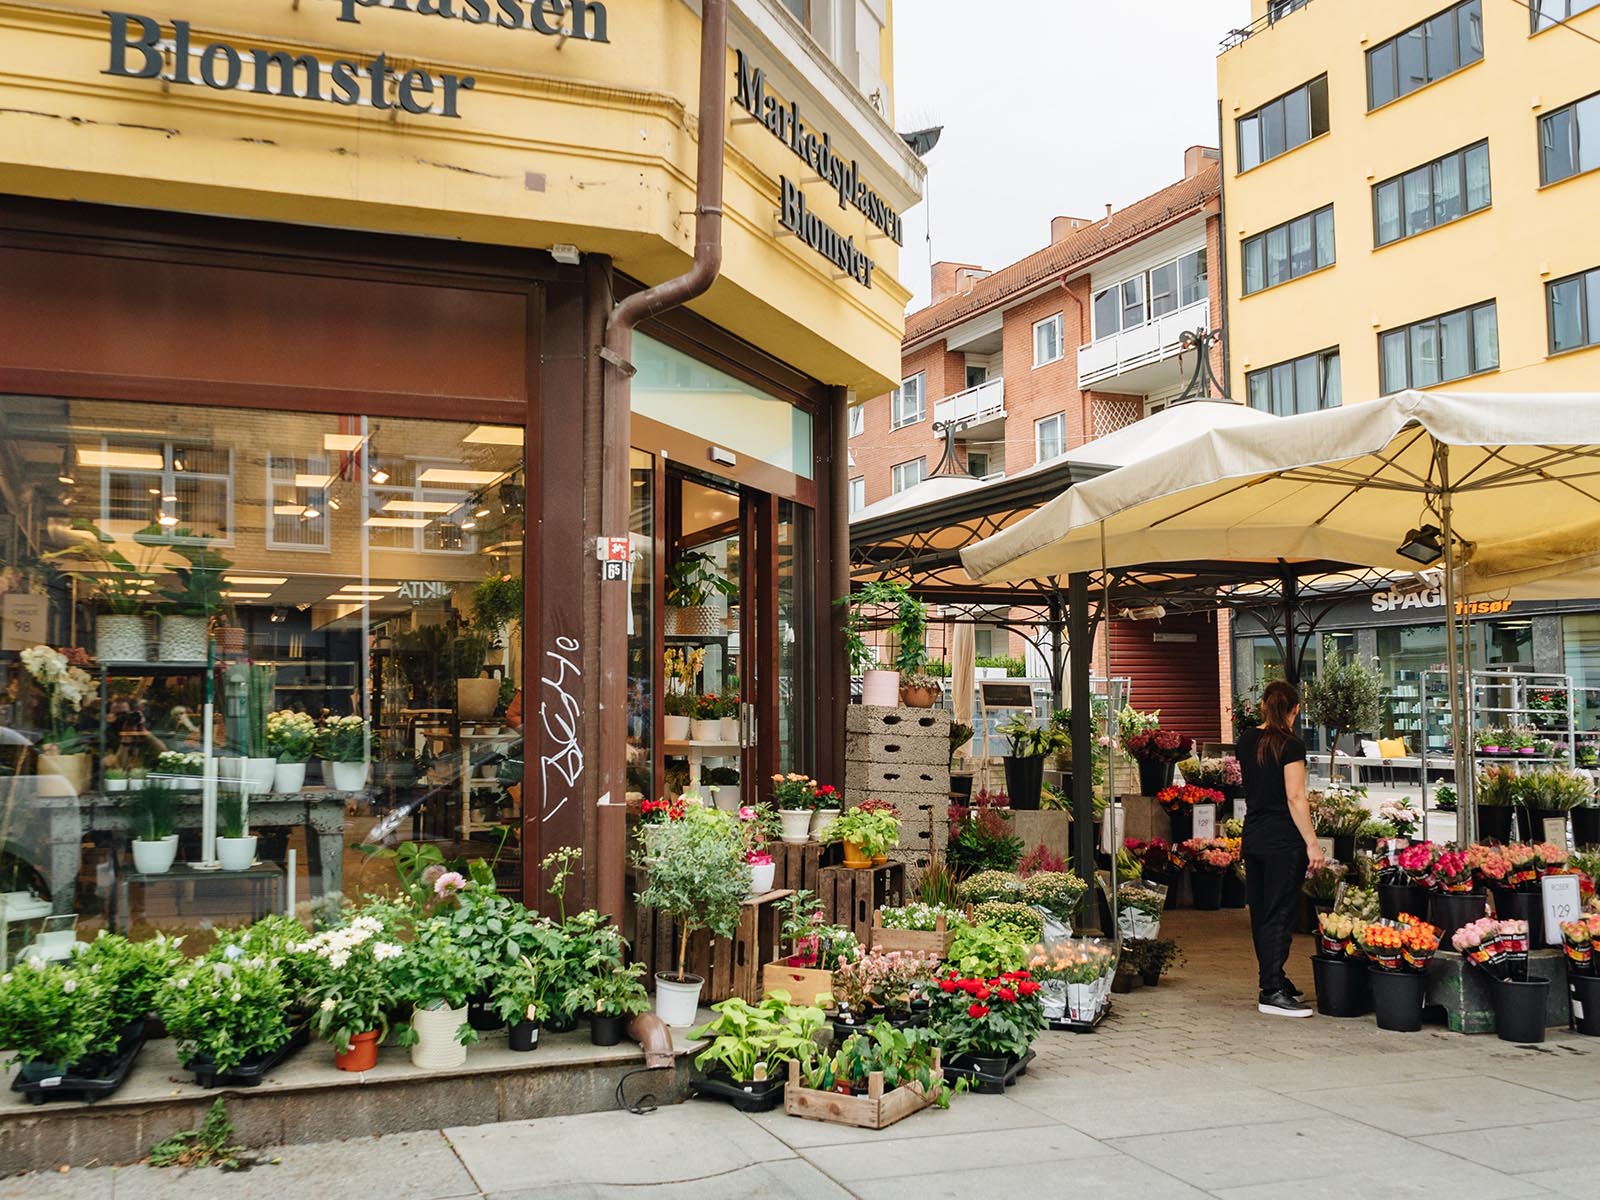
<point x="1460" y="735"/>
<point x="1291" y="626"/>
<point x="1081" y="702"/>
<point x="1058" y="684"/>
<point x="1112" y="840"/>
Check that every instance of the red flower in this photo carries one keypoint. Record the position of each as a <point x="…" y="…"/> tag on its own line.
<point x="1015" y="975"/>
<point x="1028" y="988"/>
<point x="946" y="986"/>
<point x="982" y="993"/>
<point x="1008" y="995"/>
<point x="970" y="987"/>
<point x="977" y="1011"/>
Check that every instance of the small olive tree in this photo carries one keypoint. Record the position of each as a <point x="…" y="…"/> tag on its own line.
<point x="698" y="875"/>
<point x="1345" y="696"/>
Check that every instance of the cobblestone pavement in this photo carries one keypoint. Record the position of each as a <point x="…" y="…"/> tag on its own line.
<point x="1186" y="1092"/>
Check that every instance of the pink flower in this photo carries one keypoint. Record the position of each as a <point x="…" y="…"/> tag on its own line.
<point x="449" y="884"/>
<point x="747" y="813"/>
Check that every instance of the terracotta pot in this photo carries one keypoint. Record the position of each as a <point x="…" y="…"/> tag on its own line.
<point x="879" y="860"/>
<point x="854" y="858"/>
<point x="363" y="1055"/>
<point x="919" y="697"/>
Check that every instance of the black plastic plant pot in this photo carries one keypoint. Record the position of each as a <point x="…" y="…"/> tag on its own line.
<point x="561" y="1023"/>
<point x="1182" y="825"/>
<point x="1585" y="827"/>
<point x="1519" y="1009"/>
<point x="1234" y="893"/>
<point x="89" y="1079"/>
<point x="1024" y="780"/>
<point x="253" y="1070"/>
<point x="1397" y="898"/>
<point x="1533" y="823"/>
<point x="1521" y="906"/>
<point x="523" y="1036"/>
<point x="1397" y="999"/>
<point x="1451" y="910"/>
<point x="1206" y="888"/>
<point x="1344" y="847"/>
<point x="482" y="1016"/>
<point x="1494" y="822"/>
<point x="1343" y="989"/>
<point x="1154" y="775"/>
<point x="1585" y="991"/>
<point x="1151" y="977"/>
<point x="606" y="1030"/>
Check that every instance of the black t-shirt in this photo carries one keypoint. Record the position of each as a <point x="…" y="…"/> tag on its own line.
<point x="1268" y="827"/>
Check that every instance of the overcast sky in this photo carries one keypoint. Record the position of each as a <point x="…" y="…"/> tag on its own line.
<point x="1049" y="107"/>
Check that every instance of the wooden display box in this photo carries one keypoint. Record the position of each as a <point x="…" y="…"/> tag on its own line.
<point x="804" y="985"/>
<point x="913" y="941"/>
<point x="876" y="1110"/>
<point x="798" y="864"/>
<point x="730" y="966"/>
<point x="851" y="897"/>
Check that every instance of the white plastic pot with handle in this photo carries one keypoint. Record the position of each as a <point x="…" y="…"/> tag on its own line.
<point x="678" y="1001"/>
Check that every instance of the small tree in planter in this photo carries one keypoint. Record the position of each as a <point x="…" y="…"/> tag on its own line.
<point x="1346" y="696"/>
<point x="699" y="878"/>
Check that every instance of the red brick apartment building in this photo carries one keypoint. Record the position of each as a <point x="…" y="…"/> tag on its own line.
<point x="1032" y="360"/>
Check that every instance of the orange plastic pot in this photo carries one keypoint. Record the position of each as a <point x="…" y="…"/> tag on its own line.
<point x="855" y="858"/>
<point x="363" y="1055"/>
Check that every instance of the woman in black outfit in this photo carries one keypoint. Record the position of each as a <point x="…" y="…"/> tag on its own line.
<point x="1280" y="843"/>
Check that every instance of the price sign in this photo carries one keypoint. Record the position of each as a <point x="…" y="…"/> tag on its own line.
<point x="1555" y="831"/>
<point x="1205" y="821"/>
<point x="25" y="619"/>
<point x="1327" y="847"/>
<point x="1563" y="901"/>
<point x="1239" y="809"/>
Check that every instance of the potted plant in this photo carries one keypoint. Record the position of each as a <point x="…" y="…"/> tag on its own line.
<point x="351" y="988"/>
<point x="1346" y="695"/>
<point x="1498" y="792"/>
<point x="920" y="690"/>
<point x="122" y="630"/>
<point x="986" y="1023"/>
<point x="611" y="996"/>
<point x="879" y="686"/>
<point x="1031" y="744"/>
<point x="66" y="685"/>
<point x="497" y="603"/>
<point x="1158" y="751"/>
<point x="865" y="834"/>
<point x="698" y="878"/>
<point x="51" y="1017"/>
<point x="291" y="737"/>
<point x="1586" y="822"/>
<point x="706" y="725"/>
<point x="795" y="796"/>
<point x="114" y="779"/>
<point x="1548" y="795"/>
<point x="681" y="668"/>
<point x="227" y="1011"/>
<point x="758" y="825"/>
<point x="888" y="809"/>
<point x="828" y="807"/>
<point x="437" y="974"/>
<point x="152" y="814"/>
<point x="694" y="581"/>
<point x="728" y="706"/>
<point x="519" y="999"/>
<point x="477" y="694"/>
<point x="809" y="952"/>
<point x="750" y="1047"/>
<point x="236" y="845"/>
<point x="341" y="743"/>
<point x="196" y="598"/>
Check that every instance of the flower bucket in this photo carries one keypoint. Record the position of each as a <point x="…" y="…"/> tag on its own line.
<point x="1519" y="1009"/>
<point x="1494" y="822"/>
<point x="437" y="1047"/>
<point x="1585" y="991"/>
<point x="121" y="638"/>
<point x="1585" y="827"/>
<point x="347" y="776"/>
<point x="675" y="729"/>
<point x="795" y="825"/>
<point x="183" y="640"/>
<point x="288" y="778"/>
<point x="1343" y="986"/>
<point x="1182" y="824"/>
<point x="1450" y="911"/>
<point x="881" y="689"/>
<point x="761" y="877"/>
<point x="236" y="854"/>
<point x="1234" y="893"/>
<point x="155" y="858"/>
<point x="1206" y="887"/>
<point x="362" y="1055"/>
<point x="678" y="1001"/>
<point x="523" y="1036"/>
<point x="1397" y="999"/>
<point x="1024" y="779"/>
<point x="1397" y="898"/>
<point x="1154" y="775"/>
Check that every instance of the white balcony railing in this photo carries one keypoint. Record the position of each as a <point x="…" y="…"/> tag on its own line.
<point x="1152" y="342"/>
<point x="981" y="403"/>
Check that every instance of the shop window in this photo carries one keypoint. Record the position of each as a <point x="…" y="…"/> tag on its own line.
<point x="1300" y="385"/>
<point x="403" y="659"/>
<point x="1547" y="14"/>
<point x="1580" y="638"/>
<point x="1429" y="50"/>
<point x="907" y="475"/>
<point x="1282" y="124"/>
<point x="1569" y="140"/>
<point x="1574" y="311"/>
<point x="1452" y="346"/>
<point x="1050" y="438"/>
<point x="1289" y="251"/>
<point x="1047" y="346"/>
<point x="1435" y="193"/>
<point x="906" y="405"/>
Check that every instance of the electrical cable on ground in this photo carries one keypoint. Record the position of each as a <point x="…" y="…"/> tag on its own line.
<point x="645" y="1104"/>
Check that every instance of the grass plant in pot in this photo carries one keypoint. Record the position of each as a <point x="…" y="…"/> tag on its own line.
<point x="1030" y="744"/>
<point x="437" y="974"/>
<point x="152" y="814"/>
<point x="1498" y="793"/>
<point x="1548" y="795"/>
<point x="351" y="988"/>
<point x="342" y="746"/>
<point x="249" y="689"/>
<point x="695" y="582"/>
<point x="236" y="845"/>
<point x="699" y="879"/>
<point x="795" y="796"/>
<point x="865" y="834"/>
<point x="291" y="737"/>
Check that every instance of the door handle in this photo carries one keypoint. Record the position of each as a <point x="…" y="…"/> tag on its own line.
<point x="747" y="725"/>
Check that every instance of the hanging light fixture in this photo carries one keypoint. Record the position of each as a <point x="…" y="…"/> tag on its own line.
<point x="1424" y="545"/>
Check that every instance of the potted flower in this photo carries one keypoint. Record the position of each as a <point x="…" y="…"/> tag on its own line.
<point x="341" y="743"/>
<point x="51" y="1017"/>
<point x="865" y="835"/>
<point x="987" y="1025"/>
<point x="65" y="683"/>
<point x="1030" y="745"/>
<point x="795" y="796"/>
<point x="828" y="804"/>
<point x="698" y="878"/>
<point x="197" y="596"/>
<point x="152" y="814"/>
<point x="350" y="984"/>
<point x="227" y="1011"/>
<point x="695" y="581"/>
<point x="1499" y="791"/>
<point x="728" y="706"/>
<point x="180" y="769"/>
<point x="762" y="870"/>
<point x="236" y="845"/>
<point x="908" y="627"/>
<point x="291" y="737"/>
<point x="519" y="999"/>
<point x="809" y="952"/>
<point x="611" y="996"/>
<point x="1158" y="752"/>
<point x="758" y="825"/>
<point x="654" y="815"/>
<point x="1179" y="804"/>
<point x="437" y="974"/>
<point x="681" y="668"/>
<point x="706" y="725"/>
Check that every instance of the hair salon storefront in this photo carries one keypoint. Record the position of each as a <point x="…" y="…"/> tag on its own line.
<point x="302" y="412"/>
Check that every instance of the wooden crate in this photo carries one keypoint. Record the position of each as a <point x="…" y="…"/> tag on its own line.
<point x="730" y="966"/>
<point x="876" y="1110"/>
<point x="804" y="985"/>
<point x="915" y="941"/>
<point x="850" y="897"/>
<point x="798" y="865"/>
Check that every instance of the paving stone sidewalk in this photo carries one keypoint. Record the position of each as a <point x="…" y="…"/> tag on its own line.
<point x="1185" y="1093"/>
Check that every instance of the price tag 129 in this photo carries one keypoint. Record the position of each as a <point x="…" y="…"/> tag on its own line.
<point x="1205" y="821"/>
<point x="1563" y="901"/>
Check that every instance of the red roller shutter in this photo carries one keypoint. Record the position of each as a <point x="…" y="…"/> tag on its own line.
<point x="1173" y="665"/>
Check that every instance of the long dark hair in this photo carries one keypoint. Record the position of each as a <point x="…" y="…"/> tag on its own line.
<point x="1278" y="700"/>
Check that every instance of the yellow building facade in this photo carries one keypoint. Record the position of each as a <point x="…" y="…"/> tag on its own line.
<point x="1389" y="95"/>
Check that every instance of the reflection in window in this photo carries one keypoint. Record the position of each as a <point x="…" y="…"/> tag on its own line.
<point x="1452" y="346"/>
<point x="1575" y="311"/>
<point x="1282" y="124"/>
<point x="1435" y="193"/>
<point x="1430" y="50"/>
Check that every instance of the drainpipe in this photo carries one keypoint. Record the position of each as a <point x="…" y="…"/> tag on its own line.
<point x="617" y="354"/>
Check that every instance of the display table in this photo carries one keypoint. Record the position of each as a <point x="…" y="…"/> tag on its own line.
<point x="697" y="752"/>
<point x="261" y="884"/>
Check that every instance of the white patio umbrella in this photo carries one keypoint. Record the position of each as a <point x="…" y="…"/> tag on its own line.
<point x="963" y="675"/>
<point x="1504" y="489"/>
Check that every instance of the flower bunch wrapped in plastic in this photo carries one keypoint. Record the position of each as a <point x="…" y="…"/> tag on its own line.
<point x="1498" y="947"/>
<point x="1490" y="863"/>
<point x="1417" y="861"/>
<point x="1183" y="798"/>
<point x="1075" y="977"/>
<point x="1578" y="940"/>
<point x="1452" y="873"/>
<point x="1337" y="935"/>
<point x="1159" y="745"/>
<point x="1383" y="944"/>
<point x="1211" y="855"/>
<point x="1522" y="865"/>
<point x="1418" y="941"/>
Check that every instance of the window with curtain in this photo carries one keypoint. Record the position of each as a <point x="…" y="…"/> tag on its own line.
<point x="1447" y="189"/>
<point x="1439" y="349"/>
<point x="1300" y="385"/>
<point x="1429" y="50"/>
<point x="1288" y="251"/>
<point x="1047" y="347"/>
<point x="1574" y="311"/>
<point x="1050" y="437"/>
<point x="908" y="474"/>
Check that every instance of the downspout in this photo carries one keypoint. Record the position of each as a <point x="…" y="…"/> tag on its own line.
<point x="617" y="355"/>
<point x="1222" y="260"/>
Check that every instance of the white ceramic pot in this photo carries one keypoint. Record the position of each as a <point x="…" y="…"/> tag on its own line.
<point x="678" y="1003"/>
<point x="730" y="729"/>
<point x="881" y="689"/>
<point x="476" y="698"/>
<point x="437" y="1048"/>
<point x="119" y="638"/>
<point x="706" y="731"/>
<point x="236" y="854"/>
<point x="155" y="858"/>
<point x="761" y="877"/>
<point x="347" y="776"/>
<point x="726" y="799"/>
<point x="115" y="785"/>
<point x="288" y="778"/>
<point x="795" y="825"/>
<point x="183" y="639"/>
<point x="821" y="819"/>
<point x="675" y="729"/>
<point x="258" y="773"/>
<point x="191" y="783"/>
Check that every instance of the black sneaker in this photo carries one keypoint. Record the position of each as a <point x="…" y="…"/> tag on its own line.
<point x="1281" y="1004"/>
<point x="1288" y="986"/>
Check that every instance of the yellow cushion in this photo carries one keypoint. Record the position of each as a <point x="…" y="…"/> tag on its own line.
<point x="1391" y="747"/>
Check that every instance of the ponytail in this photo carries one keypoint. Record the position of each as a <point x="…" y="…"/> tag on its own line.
<point x="1277" y="702"/>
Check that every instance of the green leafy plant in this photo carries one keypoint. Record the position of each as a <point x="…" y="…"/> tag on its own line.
<point x="874" y="832"/>
<point x="909" y="626"/>
<point x="226" y="1009"/>
<point x="209" y="1146"/>
<point x="231" y="811"/>
<point x="1151" y="955"/>
<point x="616" y="990"/>
<point x="437" y="970"/>
<point x="988" y="950"/>
<point x="199" y="585"/>
<point x="153" y="811"/>
<point x="905" y="1057"/>
<point x="751" y="1038"/>
<point x="130" y="974"/>
<point x="694" y="578"/>
<point x="497" y="602"/>
<point x="1029" y="740"/>
<point x="123" y="586"/>
<point x="519" y="992"/>
<point x="697" y="876"/>
<point x="1346" y="695"/>
<point x="51" y="1013"/>
<point x="351" y="982"/>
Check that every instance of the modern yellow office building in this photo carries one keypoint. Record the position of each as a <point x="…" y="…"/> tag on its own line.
<point x="1409" y="198"/>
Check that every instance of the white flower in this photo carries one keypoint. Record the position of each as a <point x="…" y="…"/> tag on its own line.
<point x="236" y="997"/>
<point x="384" y="951"/>
<point x="233" y="953"/>
<point x="327" y="1004"/>
<point x="70" y="986"/>
<point x="338" y="959"/>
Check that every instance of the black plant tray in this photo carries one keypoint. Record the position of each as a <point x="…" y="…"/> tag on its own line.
<point x="1066" y="1025"/>
<point x="843" y="1029"/>
<point x="989" y="1085"/>
<point x="746" y="1097"/>
<point x="251" y="1072"/>
<point x="94" y="1078"/>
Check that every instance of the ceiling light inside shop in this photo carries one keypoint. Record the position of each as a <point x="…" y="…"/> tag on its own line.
<point x="65" y="476"/>
<point x="167" y="519"/>
<point x="495" y="435"/>
<point x="379" y="588"/>
<point x="455" y="475"/>
<point x="247" y="595"/>
<point x="256" y="580"/>
<point x="312" y="481"/>
<point x="333" y="503"/>
<point x="288" y="510"/>
<point x="397" y="522"/>
<point x="169" y="499"/>
<point x="419" y="506"/>
<point x="310" y="513"/>
<point x="380" y="476"/>
<point x="122" y="460"/>
<point x="155" y="491"/>
<point x="343" y="442"/>
<point x="469" y="524"/>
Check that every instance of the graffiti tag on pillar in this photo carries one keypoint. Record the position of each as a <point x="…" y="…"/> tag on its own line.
<point x="561" y="715"/>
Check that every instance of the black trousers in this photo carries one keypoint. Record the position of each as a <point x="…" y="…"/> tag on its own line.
<point x="1273" y="883"/>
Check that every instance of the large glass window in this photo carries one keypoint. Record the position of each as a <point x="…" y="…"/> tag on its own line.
<point x="301" y="630"/>
<point x="1050" y="437"/>
<point x="1300" y="385"/>
<point x="1545" y="14"/>
<point x="907" y="474"/>
<point x="1574" y="304"/>
<point x="1135" y="301"/>
<point x="1569" y="140"/>
<point x="1580" y="636"/>
<point x="1452" y="346"/>
<point x="1282" y="124"/>
<point x="1288" y="251"/>
<point x="858" y="493"/>
<point x="1435" y="193"/>
<point x="858" y="419"/>
<point x="1430" y="50"/>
